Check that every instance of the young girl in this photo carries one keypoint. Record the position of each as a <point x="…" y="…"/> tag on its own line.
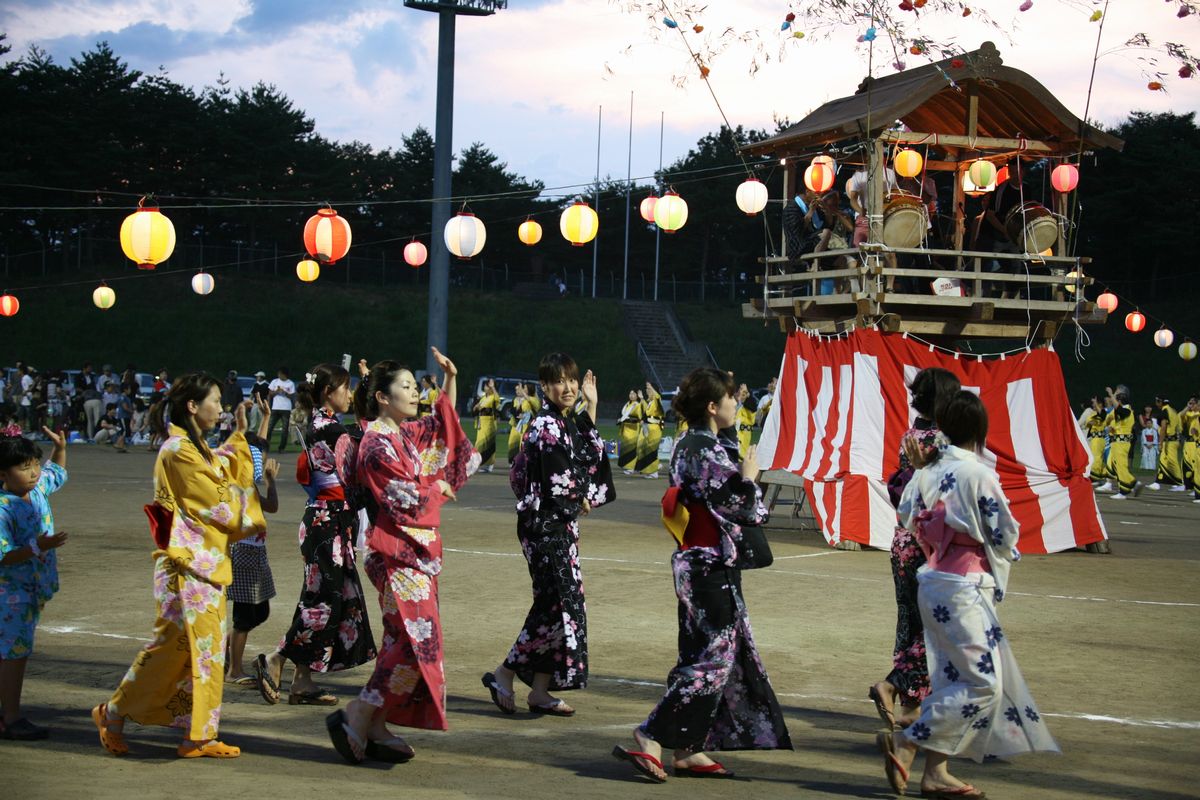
<point x="718" y="696"/>
<point x="978" y="703"/>
<point x="486" y="408"/>
<point x="28" y="564"/>
<point x="565" y="474"/>
<point x="329" y="630"/>
<point x="411" y="467"/>
<point x="253" y="584"/>
<point x="201" y="506"/>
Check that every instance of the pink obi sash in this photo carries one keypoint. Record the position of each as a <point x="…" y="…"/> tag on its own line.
<point x="947" y="549"/>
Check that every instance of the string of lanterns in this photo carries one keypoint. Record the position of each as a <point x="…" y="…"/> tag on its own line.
<point x="1135" y="322"/>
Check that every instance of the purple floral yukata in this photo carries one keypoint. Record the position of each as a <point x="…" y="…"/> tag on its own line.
<point x="561" y="464"/>
<point x="718" y="695"/>
<point x="330" y="630"/>
<point x="909" y="673"/>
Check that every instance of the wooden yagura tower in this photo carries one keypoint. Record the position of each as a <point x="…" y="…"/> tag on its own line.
<point x="955" y="111"/>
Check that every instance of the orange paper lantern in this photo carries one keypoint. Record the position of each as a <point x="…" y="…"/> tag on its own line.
<point x="529" y="232"/>
<point x="819" y="178"/>
<point x="327" y="236"/>
<point x="1135" y="321"/>
<point x="908" y="163"/>
<point x="9" y="305"/>
<point x="1107" y="301"/>
<point x="1064" y="178"/>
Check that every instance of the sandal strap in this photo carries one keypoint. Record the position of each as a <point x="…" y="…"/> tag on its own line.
<point x="646" y="756"/>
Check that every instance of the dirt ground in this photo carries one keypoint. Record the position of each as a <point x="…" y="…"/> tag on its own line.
<point x="1108" y="645"/>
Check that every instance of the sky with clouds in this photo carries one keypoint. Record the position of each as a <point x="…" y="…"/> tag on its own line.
<point x="530" y="79"/>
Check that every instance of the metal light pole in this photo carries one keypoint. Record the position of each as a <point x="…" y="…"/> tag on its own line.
<point x="628" y="189"/>
<point x="596" y="200"/>
<point x="437" y="333"/>
<point x="662" y="118"/>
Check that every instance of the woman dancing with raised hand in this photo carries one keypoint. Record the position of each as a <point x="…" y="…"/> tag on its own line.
<point x="978" y="704"/>
<point x="486" y="407"/>
<point x="718" y="696"/>
<point x="561" y="474"/>
<point x="204" y="500"/>
<point x="330" y="631"/>
<point x="908" y="682"/>
<point x="410" y="466"/>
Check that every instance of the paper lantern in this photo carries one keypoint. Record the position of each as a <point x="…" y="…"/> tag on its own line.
<point x="308" y="270"/>
<point x="529" y="232"/>
<point x="973" y="189"/>
<point x="9" y="305"/>
<point x="819" y="178"/>
<point x="1107" y="301"/>
<point x="203" y="283"/>
<point x="465" y="235"/>
<point x="908" y="163"/>
<point x="1187" y="350"/>
<point x="147" y="237"/>
<point x="983" y="174"/>
<point x="670" y="212"/>
<point x="1002" y="175"/>
<point x="751" y="196"/>
<point x="578" y="223"/>
<point x="1064" y="178"/>
<point x="827" y="160"/>
<point x="327" y="236"/>
<point x="646" y="209"/>
<point x="415" y="253"/>
<point x="1163" y="337"/>
<point x="1072" y="278"/>
<point x="104" y="297"/>
<point x="1135" y="321"/>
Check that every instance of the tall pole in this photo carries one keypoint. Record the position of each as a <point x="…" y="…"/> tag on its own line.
<point x="437" y="334"/>
<point x="657" y="230"/>
<point x="596" y="200"/>
<point x="628" y="189"/>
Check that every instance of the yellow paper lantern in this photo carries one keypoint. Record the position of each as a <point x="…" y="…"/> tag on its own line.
<point x="308" y="270"/>
<point x="670" y="212"/>
<point x="983" y="174"/>
<point x="579" y="223"/>
<point x="104" y="297"/>
<point x="908" y="163"/>
<point x="465" y="235"/>
<point x="147" y="237"/>
<point x="751" y="196"/>
<point x="1187" y="350"/>
<point x="1072" y="278"/>
<point x="529" y="232"/>
<point x="203" y="283"/>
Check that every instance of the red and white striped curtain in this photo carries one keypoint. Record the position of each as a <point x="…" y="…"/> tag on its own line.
<point x="842" y="404"/>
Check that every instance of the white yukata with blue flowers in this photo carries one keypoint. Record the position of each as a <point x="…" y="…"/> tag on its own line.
<point x="25" y="587"/>
<point x="978" y="704"/>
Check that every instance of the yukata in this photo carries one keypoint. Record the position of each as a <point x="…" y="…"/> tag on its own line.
<point x="978" y="704"/>
<point x="627" y="434"/>
<point x="25" y="587"/>
<point x="485" y="428"/>
<point x="562" y="465"/>
<point x="909" y="674"/>
<point x="745" y="429"/>
<point x="330" y="630"/>
<point x="1170" y="467"/>
<point x="1119" y="424"/>
<point x="718" y="695"/>
<point x="177" y="679"/>
<point x="523" y="409"/>
<point x="652" y="429"/>
<point x="1098" y="442"/>
<point x="401" y="470"/>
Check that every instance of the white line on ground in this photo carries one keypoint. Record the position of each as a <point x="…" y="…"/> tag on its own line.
<point x="73" y="629"/>
<point x="1127" y="522"/>
<point x="809" y="555"/>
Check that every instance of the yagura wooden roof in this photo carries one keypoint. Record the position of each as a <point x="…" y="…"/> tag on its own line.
<point x="1012" y="104"/>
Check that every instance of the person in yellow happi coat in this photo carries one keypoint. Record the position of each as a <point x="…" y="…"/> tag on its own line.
<point x="486" y="408"/>
<point x="651" y="433"/>
<point x="204" y="500"/>
<point x="628" y="425"/>
<point x="517" y="410"/>
<point x="1189" y="424"/>
<point x="1170" y="469"/>
<point x="428" y="396"/>
<point x="744" y="420"/>
<point x="1120" y="436"/>
<point x="1094" y="426"/>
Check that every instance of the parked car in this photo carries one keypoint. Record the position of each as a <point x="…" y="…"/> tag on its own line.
<point x="667" y="398"/>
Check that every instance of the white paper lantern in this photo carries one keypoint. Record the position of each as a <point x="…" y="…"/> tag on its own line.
<point x="465" y="235"/>
<point x="1163" y="337"/>
<point x="751" y="196"/>
<point x="202" y="283"/>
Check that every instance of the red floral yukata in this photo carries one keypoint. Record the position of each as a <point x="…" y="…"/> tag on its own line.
<point x="401" y="470"/>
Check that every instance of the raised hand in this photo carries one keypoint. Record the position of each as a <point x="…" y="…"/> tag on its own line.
<point x="587" y="387"/>
<point x="444" y="362"/>
<point x="270" y="469"/>
<point x="59" y="439"/>
<point x="240" y="415"/>
<point x="363" y="369"/>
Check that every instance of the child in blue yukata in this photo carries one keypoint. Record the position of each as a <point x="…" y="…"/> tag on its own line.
<point x="28" y="566"/>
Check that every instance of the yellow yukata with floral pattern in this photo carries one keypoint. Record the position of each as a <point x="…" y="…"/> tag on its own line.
<point x="177" y="679"/>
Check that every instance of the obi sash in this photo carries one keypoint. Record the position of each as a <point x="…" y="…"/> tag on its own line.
<point x="947" y="549"/>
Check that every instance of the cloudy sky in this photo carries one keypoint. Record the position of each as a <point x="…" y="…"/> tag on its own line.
<point x="530" y="79"/>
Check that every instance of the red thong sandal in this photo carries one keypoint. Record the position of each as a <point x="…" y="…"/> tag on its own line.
<point x="713" y="770"/>
<point x="965" y="792"/>
<point x="897" y="775"/>
<point x="636" y="758"/>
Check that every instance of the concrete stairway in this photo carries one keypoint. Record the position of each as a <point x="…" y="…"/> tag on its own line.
<point x="666" y="352"/>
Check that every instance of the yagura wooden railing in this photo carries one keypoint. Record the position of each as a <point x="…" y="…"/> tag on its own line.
<point x="861" y="297"/>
